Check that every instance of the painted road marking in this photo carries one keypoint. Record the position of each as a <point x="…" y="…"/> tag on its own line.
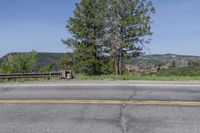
<point x="111" y="102"/>
<point x="125" y="84"/>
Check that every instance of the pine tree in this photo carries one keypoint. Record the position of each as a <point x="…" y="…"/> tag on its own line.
<point x="128" y="28"/>
<point x="87" y="27"/>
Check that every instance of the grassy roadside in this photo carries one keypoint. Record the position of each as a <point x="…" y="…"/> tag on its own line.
<point x="109" y="77"/>
<point x="133" y="77"/>
<point x="21" y="80"/>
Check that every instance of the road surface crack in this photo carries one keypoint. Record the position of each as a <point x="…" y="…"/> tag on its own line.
<point x="124" y="116"/>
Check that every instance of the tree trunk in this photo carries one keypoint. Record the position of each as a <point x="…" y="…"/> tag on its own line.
<point x="117" y="68"/>
<point x="118" y="64"/>
<point x="117" y="57"/>
<point x="120" y="61"/>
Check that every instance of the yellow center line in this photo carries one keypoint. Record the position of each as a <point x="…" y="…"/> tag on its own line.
<point x="111" y="102"/>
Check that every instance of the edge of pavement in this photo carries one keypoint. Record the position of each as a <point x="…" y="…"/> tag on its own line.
<point x="104" y="82"/>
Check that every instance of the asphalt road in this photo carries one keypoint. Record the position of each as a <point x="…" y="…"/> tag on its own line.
<point x="50" y="115"/>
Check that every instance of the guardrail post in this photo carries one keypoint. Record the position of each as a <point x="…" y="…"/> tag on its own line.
<point x="66" y="74"/>
<point x="63" y="74"/>
<point x="49" y="77"/>
<point x="69" y="75"/>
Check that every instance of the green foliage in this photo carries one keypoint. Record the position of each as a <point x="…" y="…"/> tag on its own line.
<point x="47" y="68"/>
<point x="176" y="71"/>
<point x="44" y="59"/>
<point x="66" y="63"/>
<point x="192" y="63"/>
<point x="87" y="29"/>
<point x="128" y="23"/>
<point x="173" y="63"/>
<point x="192" y="69"/>
<point x="20" y="63"/>
<point x="84" y="65"/>
<point x="105" y="32"/>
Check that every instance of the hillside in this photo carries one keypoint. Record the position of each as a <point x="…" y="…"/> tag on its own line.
<point x="49" y="58"/>
<point x="44" y="59"/>
<point x="157" y="64"/>
<point x="164" y="64"/>
<point x="165" y="59"/>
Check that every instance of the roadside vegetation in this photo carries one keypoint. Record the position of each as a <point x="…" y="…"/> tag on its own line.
<point x="192" y="69"/>
<point x="135" y="77"/>
<point x="23" y="63"/>
<point x="23" y="80"/>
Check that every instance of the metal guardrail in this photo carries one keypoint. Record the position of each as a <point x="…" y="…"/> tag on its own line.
<point x="66" y="74"/>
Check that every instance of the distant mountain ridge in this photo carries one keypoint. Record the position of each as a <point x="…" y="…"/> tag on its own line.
<point x="164" y="65"/>
<point x="141" y="64"/>
<point x="164" y="59"/>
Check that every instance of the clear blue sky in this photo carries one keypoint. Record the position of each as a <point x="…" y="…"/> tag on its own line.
<point x="40" y="25"/>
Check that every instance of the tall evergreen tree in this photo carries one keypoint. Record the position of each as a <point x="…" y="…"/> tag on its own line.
<point x="128" y="24"/>
<point x="87" y="27"/>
